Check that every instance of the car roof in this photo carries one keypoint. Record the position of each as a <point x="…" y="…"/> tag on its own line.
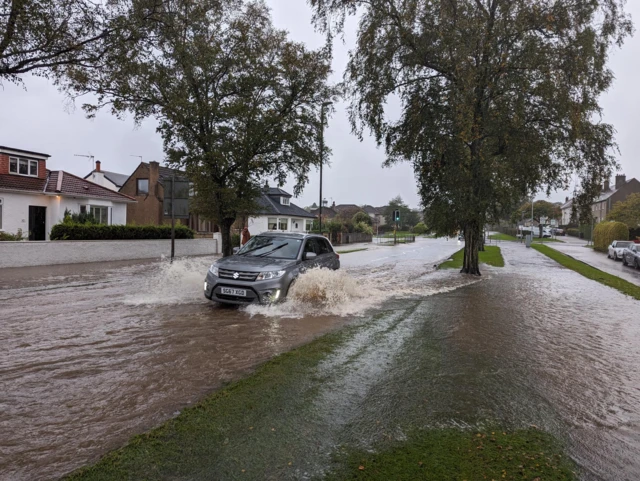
<point x="291" y="235"/>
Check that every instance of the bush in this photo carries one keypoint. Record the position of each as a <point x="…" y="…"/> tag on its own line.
<point x="235" y="240"/>
<point x="573" y="232"/>
<point x="6" y="236"/>
<point x="68" y="231"/>
<point x="361" y="217"/>
<point x="606" y="232"/>
<point x="363" y="227"/>
<point x="420" y="228"/>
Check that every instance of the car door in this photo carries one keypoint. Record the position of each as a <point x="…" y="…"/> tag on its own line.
<point x="327" y="256"/>
<point x="310" y="247"/>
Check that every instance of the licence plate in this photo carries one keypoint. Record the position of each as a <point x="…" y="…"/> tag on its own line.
<point x="233" y="292"/>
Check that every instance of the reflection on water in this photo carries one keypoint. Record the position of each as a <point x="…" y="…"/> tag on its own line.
<point x="90" y="356"/>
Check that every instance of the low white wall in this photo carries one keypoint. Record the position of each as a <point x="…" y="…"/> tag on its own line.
<point x="24" y="254"/>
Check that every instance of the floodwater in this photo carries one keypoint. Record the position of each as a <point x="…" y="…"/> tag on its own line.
<point x="90" y="355"/>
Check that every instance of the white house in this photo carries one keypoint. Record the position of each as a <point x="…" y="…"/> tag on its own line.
<point x="110" y="180"/>
<point x="34" y="199"/>
<point x="566" y="211"/>
<point x="278" y="213"/>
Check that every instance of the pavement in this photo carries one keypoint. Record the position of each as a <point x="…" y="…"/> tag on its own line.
<point x="577" y="248"/>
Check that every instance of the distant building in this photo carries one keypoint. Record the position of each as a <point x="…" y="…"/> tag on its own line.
<point x="146" y="185"/>
<point x="610" y="195"/>
<point x="33" y="199"/>
<point x="278" y="213"/>
<point x="566" y="211"/>
<point x="110" y="180"/>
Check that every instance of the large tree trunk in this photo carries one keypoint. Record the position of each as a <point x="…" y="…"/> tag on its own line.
<point x="472" y="241"/>
<point x="225" y="231"/>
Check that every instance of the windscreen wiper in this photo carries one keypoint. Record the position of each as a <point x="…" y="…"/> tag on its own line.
<point x="273" y="250"/>
<point x="255" y="249"/>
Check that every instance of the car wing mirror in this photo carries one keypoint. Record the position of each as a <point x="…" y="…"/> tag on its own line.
<point x="310" y="255"/>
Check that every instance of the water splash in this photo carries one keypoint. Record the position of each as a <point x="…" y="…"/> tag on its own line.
<point x="177" y="282"/>
<point x="321" y="292"/>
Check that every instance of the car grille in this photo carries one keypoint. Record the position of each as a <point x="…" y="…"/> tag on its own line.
<point x="242" y="276"/>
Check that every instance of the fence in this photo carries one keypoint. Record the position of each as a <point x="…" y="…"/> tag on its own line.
<point x="388" y="239"/>
<point x="344" y="238"/>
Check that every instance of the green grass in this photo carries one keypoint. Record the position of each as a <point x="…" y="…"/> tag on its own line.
<point x="507" y="237"/>
<point x="352" y="250"/>
<point x="503" y="237"/>
<point x="590" y="272"/>
<point x="491" y="256"/>
<point x="399" y="233"/>
<point x="450" y="454"/>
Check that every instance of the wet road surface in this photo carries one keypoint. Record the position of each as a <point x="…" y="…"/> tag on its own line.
<point x="89" y="359"/>
<point x="92" y="354"/>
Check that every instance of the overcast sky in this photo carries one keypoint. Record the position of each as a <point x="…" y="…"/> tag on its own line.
<point x="39" y="119"/>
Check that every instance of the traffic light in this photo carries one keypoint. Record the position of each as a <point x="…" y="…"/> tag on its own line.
<point x="396" y="215"/>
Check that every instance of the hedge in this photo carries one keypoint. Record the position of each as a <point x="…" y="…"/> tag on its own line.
<point x="117" y="232"/>
<point x="606" y="232"/>
<point x="573" y="232"/>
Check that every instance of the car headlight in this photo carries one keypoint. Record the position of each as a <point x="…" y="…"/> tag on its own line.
<point x="265" y="276"/>
<point x="214" y="270"/>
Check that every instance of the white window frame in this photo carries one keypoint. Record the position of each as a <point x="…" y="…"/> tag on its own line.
<point x="308" y="225"/>
<point x="102" y="208"/>
<point x="29" y="163"/>
<point x="269" y="223"/>
<point x="286" y="220"/>
<point x="284" y="200"/>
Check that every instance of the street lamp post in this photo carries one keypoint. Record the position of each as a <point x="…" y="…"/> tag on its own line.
<point x="324" y="104"/>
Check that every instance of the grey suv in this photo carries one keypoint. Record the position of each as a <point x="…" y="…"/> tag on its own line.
<point x="265" y="267"/>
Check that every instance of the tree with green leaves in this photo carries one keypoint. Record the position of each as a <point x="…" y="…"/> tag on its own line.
<point x="498" y="97"/>
<point x="361" y="216"/>
<point x="541" y="209"/>
<point x="627" y="211"/>
<point x="237" y="103"/>
<point x="408" y="218"/>
<point x="45" y="37"/>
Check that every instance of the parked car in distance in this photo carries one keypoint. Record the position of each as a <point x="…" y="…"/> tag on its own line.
<point x="264" y="268"/>
<point x="631" y="255"/>
<point x="616" y="248"/>
<point x="557" y="231"/>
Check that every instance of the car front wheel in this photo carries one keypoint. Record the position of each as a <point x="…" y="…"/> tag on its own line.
<point x="615" y="256"/>
<point x="635" y="264"/>
<point x="624" y="260"/>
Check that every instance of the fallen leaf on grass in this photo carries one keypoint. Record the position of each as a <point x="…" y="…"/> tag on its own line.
<point x="361" y="467"/>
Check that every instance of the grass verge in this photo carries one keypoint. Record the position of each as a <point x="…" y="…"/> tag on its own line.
<point x="507" y="237"/>
<point x="352" y="250"/>
<point x="590" y="272"/>
<point x="491" y="256"/>
<point x="450" y="454"/>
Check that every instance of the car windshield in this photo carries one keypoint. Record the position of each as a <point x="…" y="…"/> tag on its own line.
<point x="271" y="246"/>
<point x="623" y="244"/>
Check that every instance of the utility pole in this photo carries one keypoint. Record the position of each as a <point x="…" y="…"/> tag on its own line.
<point x="324" y="104"/>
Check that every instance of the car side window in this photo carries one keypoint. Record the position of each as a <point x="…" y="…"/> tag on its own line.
<point x="310" y="246"/>
<point x="325" y="247"/>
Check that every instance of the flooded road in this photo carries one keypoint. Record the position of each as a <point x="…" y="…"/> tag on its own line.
<point x="91" y="355"/>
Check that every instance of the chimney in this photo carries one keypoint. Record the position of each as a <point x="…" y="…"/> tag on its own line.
<point x="620" y="180"/>
<point x="154" y="175"/>
<point x="566" y="199"/>
<point x="606" y="185"/>
<point x="334" y="204"/>
<point x="97" y="166"/>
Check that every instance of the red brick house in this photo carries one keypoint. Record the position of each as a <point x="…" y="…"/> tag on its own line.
<point x="33" y="199"/>
<point x="146" y="185"/>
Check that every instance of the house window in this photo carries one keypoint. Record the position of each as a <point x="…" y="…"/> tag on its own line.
<point x="100" y="214"/>
<point x="308" y="225"/>
<point x="284" y="200"/>
<point x="143" y="187"/>
<point x="282" y="224"/>
<point x="272" y="223"/>
<point x="23" y="166"/>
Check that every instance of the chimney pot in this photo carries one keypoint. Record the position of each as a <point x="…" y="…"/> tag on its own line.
<point x="97" y="166"/>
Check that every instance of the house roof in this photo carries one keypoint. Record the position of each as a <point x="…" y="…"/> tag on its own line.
<point x="270" y="204"/>
<point x="117" y="179"/>
<point x="327" y="212"/>
<point x="567" y="205"/>
<point x="341" y="207"/>
<point x="63" y="183"/>
<point x="13" y="150"/>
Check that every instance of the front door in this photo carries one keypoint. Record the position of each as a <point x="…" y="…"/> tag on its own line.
<point x="37" y="223"/>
